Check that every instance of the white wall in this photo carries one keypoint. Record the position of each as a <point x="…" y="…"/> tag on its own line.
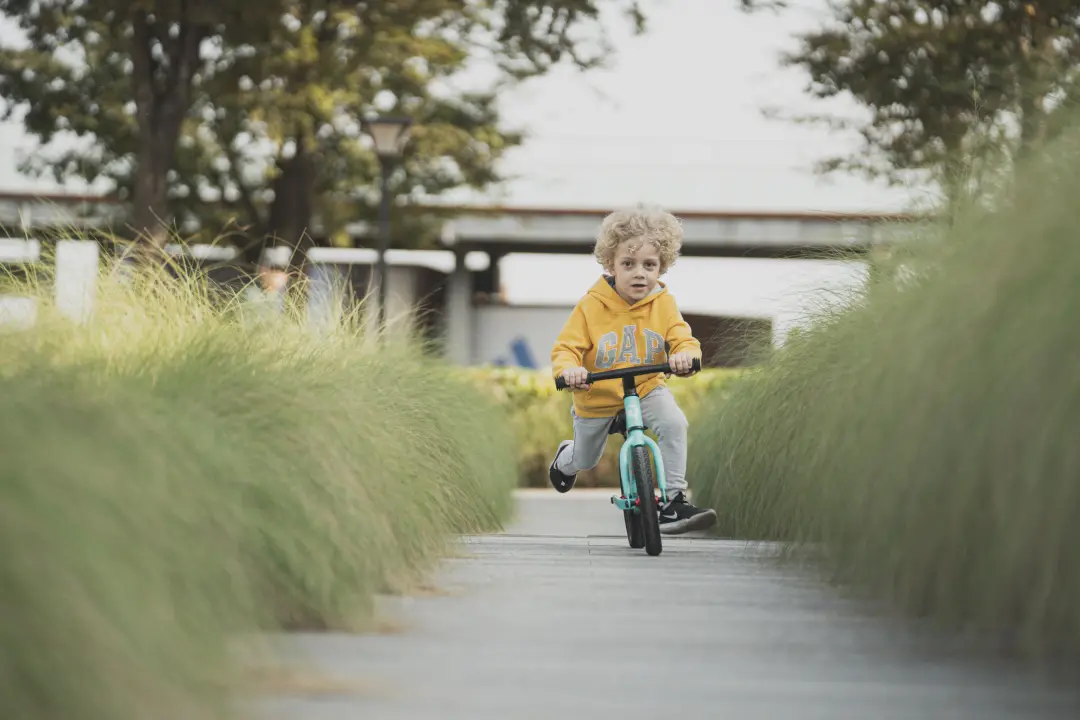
<point x="77" y="263"/>
<point x="787" y="292"/>
<point x="17" y="312"/>
<point x="784" y="291"/>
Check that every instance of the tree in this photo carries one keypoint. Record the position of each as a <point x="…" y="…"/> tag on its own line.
<point x="301" y="98"/>
<point x="146" y="55"/>
<point x="942" y="80"/>
<point x="268" y="104"/>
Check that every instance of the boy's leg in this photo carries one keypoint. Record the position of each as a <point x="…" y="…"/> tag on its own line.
<point x="581" y="453"/>
<point x="665" y="418"/>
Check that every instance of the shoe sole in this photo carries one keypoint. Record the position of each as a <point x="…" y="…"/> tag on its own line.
<point x="551" y="469"/>
<point x="701" y="521"/>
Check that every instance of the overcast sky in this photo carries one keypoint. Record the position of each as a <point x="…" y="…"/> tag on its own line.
<point x="676" y="120"/>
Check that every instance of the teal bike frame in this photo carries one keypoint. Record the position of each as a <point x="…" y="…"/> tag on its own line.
<point x="634" y="429"/>
<point x="636" y="437"/>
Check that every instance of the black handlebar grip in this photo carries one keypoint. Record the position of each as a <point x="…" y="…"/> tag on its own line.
<point x="560" y="383"/>
<point x="696" y="365"/>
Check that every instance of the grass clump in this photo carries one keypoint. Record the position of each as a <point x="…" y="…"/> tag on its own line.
<point x="923" y="443"/>
<point x="177" y="474"/>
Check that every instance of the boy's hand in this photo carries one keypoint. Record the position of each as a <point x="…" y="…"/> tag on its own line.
<point x="682" y="363"/>
<point x="575" y="378"/>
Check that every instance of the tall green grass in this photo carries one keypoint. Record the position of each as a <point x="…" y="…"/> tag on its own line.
<point x="177" y="473"/>
<point x="924" y="444"/>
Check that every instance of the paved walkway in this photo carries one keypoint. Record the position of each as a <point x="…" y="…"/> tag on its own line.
<point x="546" y="621"/>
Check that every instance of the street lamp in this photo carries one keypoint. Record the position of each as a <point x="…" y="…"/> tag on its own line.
<point x="390" y="135"/>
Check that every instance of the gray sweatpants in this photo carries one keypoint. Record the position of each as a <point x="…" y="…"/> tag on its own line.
<point x="662" y="415"/>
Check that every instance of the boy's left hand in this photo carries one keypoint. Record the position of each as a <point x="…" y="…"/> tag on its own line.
<point x="681" y="363"/>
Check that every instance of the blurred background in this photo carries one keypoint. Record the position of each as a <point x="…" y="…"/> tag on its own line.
<point x="527" y="122"/>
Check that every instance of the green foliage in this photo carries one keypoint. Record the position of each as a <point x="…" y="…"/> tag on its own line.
<point x="90" y="68"/>
<point x="922" y="445"/>
<point x="177" y="477"/>
<point x="300" y="96"/>
<point x="269" y="143"/>
<point x="540" y="417"/>
<point x="942" y="82"/>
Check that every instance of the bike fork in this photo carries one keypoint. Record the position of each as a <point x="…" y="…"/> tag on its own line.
<point x="635" y="436"/>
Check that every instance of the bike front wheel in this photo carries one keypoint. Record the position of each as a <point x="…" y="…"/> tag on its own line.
<point x="634" y="534"/>
<point x="647" y="516"/>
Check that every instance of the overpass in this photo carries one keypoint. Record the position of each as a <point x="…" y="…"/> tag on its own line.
<point x="501" y="231"/>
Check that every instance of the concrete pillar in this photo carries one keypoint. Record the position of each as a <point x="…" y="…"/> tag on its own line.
<point x="324" y="301"/>
<point x="487" y="281"/>
<point x="401" y="295"/>
<point x="370" y="299"/>
<point x="459" y="313"/>
<point x="77" y="266"/>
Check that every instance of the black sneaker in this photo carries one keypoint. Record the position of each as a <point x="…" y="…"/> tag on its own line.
<point x="560" y="481"/>
<point x="679" y="516"/>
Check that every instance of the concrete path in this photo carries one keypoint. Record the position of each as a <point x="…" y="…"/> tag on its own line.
<point x="559" y="618"/>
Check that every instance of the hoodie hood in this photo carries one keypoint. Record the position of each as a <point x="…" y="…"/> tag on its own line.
<point x="604" y="291"/>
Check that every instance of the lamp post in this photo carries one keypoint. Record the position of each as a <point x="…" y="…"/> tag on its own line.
<point x="389" y="135"/>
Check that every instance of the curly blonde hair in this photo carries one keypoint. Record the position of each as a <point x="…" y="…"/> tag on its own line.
<point x="639" y="224"/>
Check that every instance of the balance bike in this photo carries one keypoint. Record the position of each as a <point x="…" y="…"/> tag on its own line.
<point x="637" y="469"/>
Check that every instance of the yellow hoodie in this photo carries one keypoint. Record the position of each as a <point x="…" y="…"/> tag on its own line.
<point x="604" y="332"/>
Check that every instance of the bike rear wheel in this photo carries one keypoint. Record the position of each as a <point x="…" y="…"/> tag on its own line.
<point x="648" y="517"/>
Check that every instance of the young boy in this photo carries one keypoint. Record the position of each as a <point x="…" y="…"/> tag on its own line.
<point x="628" y="318"/>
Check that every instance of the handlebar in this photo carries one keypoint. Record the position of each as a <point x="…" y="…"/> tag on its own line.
<point x="622" y="373"/>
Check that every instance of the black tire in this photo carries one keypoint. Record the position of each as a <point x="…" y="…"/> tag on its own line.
<point x="634" y="535"/>
<point x="648" y="518"/>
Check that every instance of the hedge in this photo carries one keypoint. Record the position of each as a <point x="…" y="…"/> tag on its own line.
<point x="923" y="446"/>
<point x="175" y="476"/>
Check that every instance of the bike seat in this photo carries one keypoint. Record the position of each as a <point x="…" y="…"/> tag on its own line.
<point x="618" y="424"/>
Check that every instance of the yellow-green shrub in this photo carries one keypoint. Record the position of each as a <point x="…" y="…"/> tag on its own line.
<point x="925" y="443"/>
<point x="541" y="418"/>
<point x="173" y="476"/>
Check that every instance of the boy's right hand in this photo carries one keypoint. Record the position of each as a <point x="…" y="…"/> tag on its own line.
<point x="575" y="378"/>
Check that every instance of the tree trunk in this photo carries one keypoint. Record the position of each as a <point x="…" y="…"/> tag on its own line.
<point x="162" y="99"/>
<point x="292" y="210"/>
<point x="150" y="199"/>
<point x="1036" y="44"/>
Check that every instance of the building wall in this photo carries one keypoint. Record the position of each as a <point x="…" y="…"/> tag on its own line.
<point x="516" y="335"/>
<point x="500" y="334"/>
<point x="524" y="336"/>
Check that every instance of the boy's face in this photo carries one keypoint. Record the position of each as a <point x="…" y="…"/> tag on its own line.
<point x="636" y="270"/>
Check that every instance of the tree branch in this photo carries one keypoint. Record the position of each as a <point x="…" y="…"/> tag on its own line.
<point x="183" y="57"/>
